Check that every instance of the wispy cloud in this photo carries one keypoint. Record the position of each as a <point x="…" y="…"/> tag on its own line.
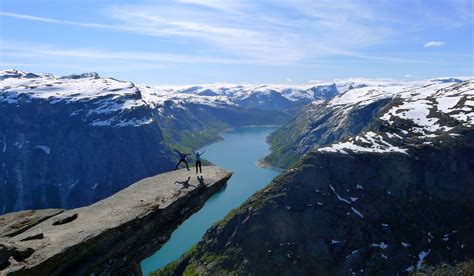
<point x="292" y="31"/>
<point x="231" y="6"/>
<point x="64" y="22"/>
<point x="430" y="44"/>
<point x="261" y="32"/>
<point x="243" y="29"/>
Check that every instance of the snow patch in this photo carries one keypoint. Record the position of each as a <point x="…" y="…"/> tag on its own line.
<point x="446" y="103"/>
<point x="381" y="245"/>
<point x="368" y="142"/>
<point x="357" y="212"/>
<point x="338" y="196"/>
<point x="421" y="257"/>
<point x="46" y="149"/>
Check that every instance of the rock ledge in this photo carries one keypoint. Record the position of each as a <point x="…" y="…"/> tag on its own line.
<point x="110" y="236"/>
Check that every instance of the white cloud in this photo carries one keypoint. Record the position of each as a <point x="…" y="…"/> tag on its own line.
<point x="434" y="44"/>
<point x="245" y="29"/>
<point x="272" y="32"/>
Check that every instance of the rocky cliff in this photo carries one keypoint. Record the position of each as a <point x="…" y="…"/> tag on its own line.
<point x="109" y="237"/>
<point x="393" y="199"/>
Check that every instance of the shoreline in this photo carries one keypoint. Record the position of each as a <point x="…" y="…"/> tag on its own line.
<point x="261" y="163"/>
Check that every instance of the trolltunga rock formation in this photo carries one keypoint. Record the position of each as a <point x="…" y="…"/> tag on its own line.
<point x="110" y="236"/>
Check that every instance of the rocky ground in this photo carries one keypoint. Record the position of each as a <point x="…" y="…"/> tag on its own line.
<point x="110" y="236"/>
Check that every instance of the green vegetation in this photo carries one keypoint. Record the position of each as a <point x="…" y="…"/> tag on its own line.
<point x="284" y="140"/>
<point x="227" y="217"/>
<point x="190" y="271"/>
<point x="170" y="268"/>
<point x="187" y="141"/>
<point x="462" y="268"/>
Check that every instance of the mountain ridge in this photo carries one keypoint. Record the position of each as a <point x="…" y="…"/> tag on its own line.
<point x="320" y="124"/>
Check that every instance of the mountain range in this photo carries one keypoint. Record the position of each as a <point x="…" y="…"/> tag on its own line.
<point x="378" y="173"/>
<point x="70" y="141"/>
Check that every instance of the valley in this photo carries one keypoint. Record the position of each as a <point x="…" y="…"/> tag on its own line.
<point x="369" y="167"/>
<point x="237" y="152"/>
<point x="332" y="138"/>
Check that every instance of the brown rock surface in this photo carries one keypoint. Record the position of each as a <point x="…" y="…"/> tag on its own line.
<point x="16" y="223"/>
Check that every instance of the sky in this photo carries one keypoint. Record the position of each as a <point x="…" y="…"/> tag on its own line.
<point x="239" y="41"/>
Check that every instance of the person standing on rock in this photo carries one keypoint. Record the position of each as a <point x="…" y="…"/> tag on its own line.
<point x="182" y="158"/>
<point x="198" y="154"/>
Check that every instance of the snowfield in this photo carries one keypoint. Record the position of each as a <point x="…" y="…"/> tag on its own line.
<point x="108" y="96"/>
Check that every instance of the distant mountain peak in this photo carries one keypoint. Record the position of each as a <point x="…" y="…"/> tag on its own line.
<point x="14" y="73"/>
<point x="93" y="75"/>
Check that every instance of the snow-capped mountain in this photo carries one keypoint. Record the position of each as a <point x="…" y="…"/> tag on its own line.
<point x="264" y="97"/>
<point x="417" y="115"/>
<point x="423" y="110"/>
<point x="109" y="95"/>
<point x="103" y="101"/>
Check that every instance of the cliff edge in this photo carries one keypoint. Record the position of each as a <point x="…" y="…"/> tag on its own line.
<point x="110" y="236"/>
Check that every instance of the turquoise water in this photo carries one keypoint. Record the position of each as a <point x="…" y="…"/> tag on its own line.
<point x="237" y="152"/>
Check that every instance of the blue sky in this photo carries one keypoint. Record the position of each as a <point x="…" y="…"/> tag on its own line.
<point x="240" y="41"/>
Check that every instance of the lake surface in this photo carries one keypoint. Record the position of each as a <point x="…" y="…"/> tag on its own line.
<point x="238" y="152"/>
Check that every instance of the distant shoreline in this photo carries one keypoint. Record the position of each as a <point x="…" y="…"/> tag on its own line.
<point x="261" y="163"/>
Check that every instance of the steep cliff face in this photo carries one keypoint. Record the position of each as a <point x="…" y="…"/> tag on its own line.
<point x="341" y="213"/>
<point x="59" y="151"/>
<point x="389" y="200"/>
<point x="109" y="237"/>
